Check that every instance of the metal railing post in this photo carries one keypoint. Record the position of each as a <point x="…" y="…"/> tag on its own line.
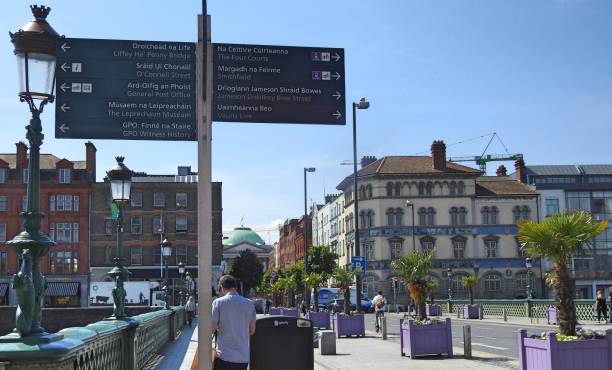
<point x="467" y="341"/>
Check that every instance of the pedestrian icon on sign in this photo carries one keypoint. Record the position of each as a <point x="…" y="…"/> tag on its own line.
<point x="315" y="56"/>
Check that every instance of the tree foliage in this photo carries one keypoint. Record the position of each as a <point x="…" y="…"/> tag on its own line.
<point x="322" y="260"/>
<point x="470" y="282"/>
<point x="560" y="237"/>
<point x="313" y="281"/>
<point x="414" y="268"/>
<point x="344" y="280"/>
<point x="248" y="269"/>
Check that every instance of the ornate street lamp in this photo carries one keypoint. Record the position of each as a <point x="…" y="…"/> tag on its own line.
<point x="181" y="271"/>
<point x="120" y="178"/>
<point x="306" y="229"/>
<point x="166" y="250"/>
<point x="34" y="46"/>
<point x="449" y="274"/>
<point x="529" y="265"/>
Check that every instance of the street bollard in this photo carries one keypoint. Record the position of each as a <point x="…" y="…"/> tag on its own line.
<point x="383" y="326"/>
<point x="458" y="310"/>
<point x="467" y="341"/>
<point x="480" y="312"/>
<point x="505" y="314"/>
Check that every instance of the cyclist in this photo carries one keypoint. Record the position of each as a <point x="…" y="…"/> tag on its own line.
<point x="380" y="305"/>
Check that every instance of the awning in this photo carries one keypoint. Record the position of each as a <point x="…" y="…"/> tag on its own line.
<point x="3" y="289"/>
<point x="62" y="289"/>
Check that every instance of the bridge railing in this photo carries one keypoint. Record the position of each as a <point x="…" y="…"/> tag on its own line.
<point x="535" y="308"/>
<point x="108" y="344"/>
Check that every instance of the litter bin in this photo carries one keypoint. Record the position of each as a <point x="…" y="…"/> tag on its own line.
<point x="281" y="343"/>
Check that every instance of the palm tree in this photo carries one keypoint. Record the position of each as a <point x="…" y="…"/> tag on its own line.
<point x="286" y="285"/>
<point x="560" y="237"/>
<point x="344" y="280"/>
<point x="313" y="281"/>
<point x="470" y="282"/>
<point x="432" y="287"/>
<point x="414" y="269"/>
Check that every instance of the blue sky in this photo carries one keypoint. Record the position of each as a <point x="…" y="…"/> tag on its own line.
<point x="539" y="73"/>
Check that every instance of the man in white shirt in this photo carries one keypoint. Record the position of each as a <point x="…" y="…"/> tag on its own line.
<point x="380" y="305"/>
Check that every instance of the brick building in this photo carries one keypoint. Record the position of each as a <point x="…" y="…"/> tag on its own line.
<point x="292" y="241"/>
<point x="65" y="188"/>
<point x="161" y="206"/>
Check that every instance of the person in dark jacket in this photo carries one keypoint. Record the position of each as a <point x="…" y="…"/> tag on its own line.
<point x="601" y="306"/>
<point x="610" y="300"/>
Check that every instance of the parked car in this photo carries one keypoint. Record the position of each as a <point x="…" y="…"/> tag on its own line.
<point x="325" y="295"/>
<point x="337" y="305"/>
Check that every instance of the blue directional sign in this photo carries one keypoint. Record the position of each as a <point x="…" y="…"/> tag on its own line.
<point x="119" y="89"/>
<point x="278" y="84"/>
<point x="359" y="264"/>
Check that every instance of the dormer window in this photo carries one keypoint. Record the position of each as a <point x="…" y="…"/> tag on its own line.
<point x="64" y="175"/>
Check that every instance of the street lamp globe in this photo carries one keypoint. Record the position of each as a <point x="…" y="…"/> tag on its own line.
<point x="120" y="178"/>
<point x="528" y="262"/>
<point x="181" y="268"/>
<point x="35" y="44"/>
<point x="363" y="104"/>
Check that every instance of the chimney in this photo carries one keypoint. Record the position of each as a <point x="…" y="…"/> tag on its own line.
<point x="21" y="162"/>
<point x="438" y="155"/>
<point x="519" y="166"/>
<point x="90" y="160"/>
<point x="501" y="171"/>
<point x="367" y="159"/>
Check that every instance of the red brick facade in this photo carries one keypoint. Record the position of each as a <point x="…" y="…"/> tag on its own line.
<point x="292" y="241"/>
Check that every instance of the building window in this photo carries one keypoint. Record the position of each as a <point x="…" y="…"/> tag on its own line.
<point x="397" y="189"/>
<point x="2" y="175"/>
<point x="391" y="217"/>
<point x="462" y="216"/>
<point x="399" y="217"/>
<point x="389" y="189"/>
<point x="136" y="199"/>
<point x="370" y="218"/>
<point x="552" y="206"/>
<point x="491" y="247"/>
<point x="521" y="280"/>
<point x="429" y="189"/>
<point x="460" y="188"/>
<point x="108" y="226"/>
<point x="431" y="216"/>
<point x="181" y="200"/>
<point x="485" y="215"/>
<point x="369" y="190"/>
<point x="457" y="283"/>
<point x="492" y="282"/>
<point x="157" y="255"/>
<point x="64" y="175"/>
<point x="181" y="224"/>
<point x="25" y="176"/>
<point x="3" y="203"/>
<point x="494" y="216"/>
<point x="2" y="233"/>
<point x="181" y="254"/>
<point x="521" y="213"/>
<point x="452" y="188"/>
<point x="64" y="203"/>
<point x="158" y="225"/>
<point x="3" y="263"/>
<point x="427" y="244"/>
<point x="396" y="247"/>
<point x="369" y="252"/>
<point x="422" y="216"/>
<point x="454" y="216"/>
<point x="421" y="188"/>
<point x="159" y="200"/>
<point x="362" y="192"/>
<point x="63" y="262"/>
<point x="458" y="247"/>
<point x="65" y="232"/>
<point x="136" y="256"/>
<point x="136" y="224"/>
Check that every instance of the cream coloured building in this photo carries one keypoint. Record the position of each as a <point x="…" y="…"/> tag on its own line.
<point x="469" y="220"/>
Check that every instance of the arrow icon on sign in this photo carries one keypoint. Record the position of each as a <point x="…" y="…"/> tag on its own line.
<point x="337" y="75"/>
<point x="64" y="87"/>
<point x="336" y="57"/>
<point x="337" y="114"/>
<point x="63" y="128"/>
<point x="64" y="47"/>
<point x="65" y="67"/>
<point x="337" y="95"/>
<point x="64" y="107"/>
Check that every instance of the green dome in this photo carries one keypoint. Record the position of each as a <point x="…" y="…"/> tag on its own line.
<point x="242" y="235"/>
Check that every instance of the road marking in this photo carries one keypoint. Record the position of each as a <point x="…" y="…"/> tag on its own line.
<point x="482" y="336"/>
<point x="492" y="347"/>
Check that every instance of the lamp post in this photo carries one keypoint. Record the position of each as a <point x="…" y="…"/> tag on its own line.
<point x="306" y="269"/>
<point x="181" y="271"/>
<point x="411" y="205"/>
<point x="529" y="265"/>
<point x="166" y="250"/>
<point x="363" y="104"/>
<point x="449" y="273"/>
<point x="34" y="46"/>
<point x="120" y="178"/>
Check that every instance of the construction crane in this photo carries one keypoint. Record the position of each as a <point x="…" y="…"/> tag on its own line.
<point x="484" y="158"/>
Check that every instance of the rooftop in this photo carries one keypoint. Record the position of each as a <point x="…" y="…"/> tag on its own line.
<point x="569" y="170"/>
<point x="501" y="185"/>
<point x="47" y="161"/>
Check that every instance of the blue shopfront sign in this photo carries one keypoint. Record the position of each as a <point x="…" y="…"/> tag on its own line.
<point x="358" y="264"/>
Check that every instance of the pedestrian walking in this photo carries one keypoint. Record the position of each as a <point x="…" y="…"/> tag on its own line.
<point x="233" y="322"/>
<point x="190" y="308"/>
<point x="380" y="305"/>
<point x="268" y="305"/>
<point x="601" y="306"/>
<point x="610" y="300"/>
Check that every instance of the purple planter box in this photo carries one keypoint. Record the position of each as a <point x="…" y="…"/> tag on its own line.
<point x="470" y="312"/>
<point x="549" y="354"/>
<point x="421" y="340"/>
<point x="433" y="310"/>
<point x="293" y="312"/>
<point x="275" y="311"/>
<point x="319" y="319"/>
<point x="551" y="315"/>
<point x="345" y="325"/>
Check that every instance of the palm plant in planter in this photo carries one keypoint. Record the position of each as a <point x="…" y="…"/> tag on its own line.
<point x="319" y="319"/>
<point x="432" y="308"/>
<point x="344" y="280"/>
<point x="470" y="282"/>
<point x="347" y="324"/>
<point x="559" y="238"/>
<point x="414" y="269"/>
